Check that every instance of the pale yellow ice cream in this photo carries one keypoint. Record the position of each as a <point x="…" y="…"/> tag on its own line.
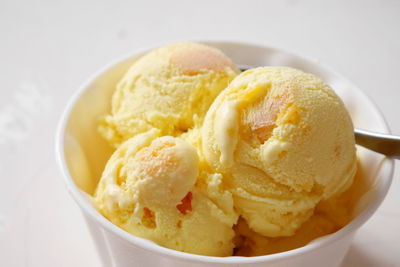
<point x="196" y="148"/>
<point x="170" y="89"/>
<point x="283" y="141"/>
<point x="329" y="216"/>
<point x="154" y="187"/>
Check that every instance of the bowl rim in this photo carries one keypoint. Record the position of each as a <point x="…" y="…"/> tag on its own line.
<point x="178" y="255"/>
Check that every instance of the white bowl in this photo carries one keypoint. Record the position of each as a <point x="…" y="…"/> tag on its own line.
<point x="82" y="153"/>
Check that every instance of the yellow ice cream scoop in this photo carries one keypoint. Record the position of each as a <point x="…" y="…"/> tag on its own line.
<point x="149" y="188"/>
<point x="284" y="141"/>
<point x="329" y="216"/>
<point x="170" y="89"/>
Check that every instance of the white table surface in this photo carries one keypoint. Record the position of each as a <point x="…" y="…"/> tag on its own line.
<point x="47" y="48"/>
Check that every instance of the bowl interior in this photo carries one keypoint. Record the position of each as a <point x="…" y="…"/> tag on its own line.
<point x="84" y="153"/>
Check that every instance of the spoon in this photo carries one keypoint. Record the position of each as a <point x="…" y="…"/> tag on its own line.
<point x="386" y="144"/>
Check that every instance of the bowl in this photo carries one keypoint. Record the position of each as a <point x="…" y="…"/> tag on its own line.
<point x="82" y="154"/>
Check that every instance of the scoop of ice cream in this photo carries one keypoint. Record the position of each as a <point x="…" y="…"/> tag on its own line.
<point x="329" y="216"/>
<point x="284" y="141"/>
<point x="153" y="187"/>
<point x="170" y="88"/>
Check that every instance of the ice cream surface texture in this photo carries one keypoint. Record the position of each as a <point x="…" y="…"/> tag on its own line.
<point x="170" y="88"/>
<point x="215" y="163"/>
<point x="283" y="141"/>
<point x="328" y="217"/>
<point x="148" y="189"/>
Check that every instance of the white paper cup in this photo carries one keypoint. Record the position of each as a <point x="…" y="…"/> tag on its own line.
<point x="82" y="153"/>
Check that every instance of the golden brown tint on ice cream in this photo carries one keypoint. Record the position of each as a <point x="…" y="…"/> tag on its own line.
<point x="197" y="59"/>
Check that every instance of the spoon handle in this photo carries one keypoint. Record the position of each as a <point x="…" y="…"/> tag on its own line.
<point x="386" y="144"/>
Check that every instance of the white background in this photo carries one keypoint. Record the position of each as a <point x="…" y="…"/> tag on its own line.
<point x="47" y="48"/>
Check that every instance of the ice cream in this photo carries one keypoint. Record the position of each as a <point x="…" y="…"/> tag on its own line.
<point x="149" y="189"/>
<point x="170" y="89"/>
<point x="156" y="185"/>
<point x="328" y="217"/>
<point x="283" y="141"/>
<point x="210" y="164"/>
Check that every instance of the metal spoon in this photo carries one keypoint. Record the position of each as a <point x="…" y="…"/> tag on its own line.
<point x="385" y="144"/>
